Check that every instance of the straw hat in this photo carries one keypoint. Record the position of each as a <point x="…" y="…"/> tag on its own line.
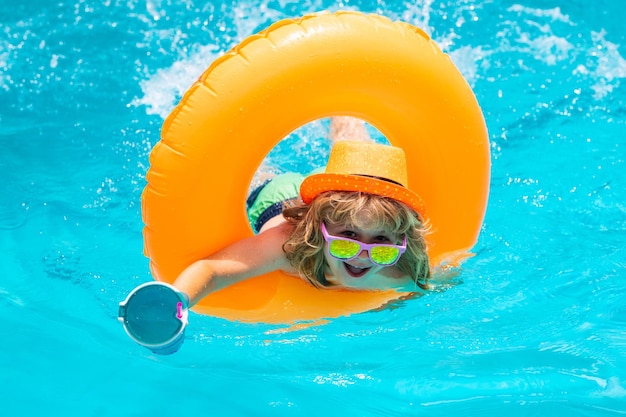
<point x="364" y="167"/>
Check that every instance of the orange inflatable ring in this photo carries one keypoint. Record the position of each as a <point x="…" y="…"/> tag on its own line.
<point x="296" y="71"/>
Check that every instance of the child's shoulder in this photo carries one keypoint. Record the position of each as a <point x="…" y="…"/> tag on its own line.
<point x="273" y="238"/>
<point x="281" y="230"/>
<point x="271" y="242"/>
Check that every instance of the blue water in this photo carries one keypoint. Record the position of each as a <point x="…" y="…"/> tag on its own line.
<point x="535" y="325"/>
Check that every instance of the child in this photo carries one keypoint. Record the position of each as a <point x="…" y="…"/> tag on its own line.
<point x="356" y="225"/>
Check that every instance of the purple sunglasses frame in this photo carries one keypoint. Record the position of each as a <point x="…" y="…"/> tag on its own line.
<point x="363" y="246"/>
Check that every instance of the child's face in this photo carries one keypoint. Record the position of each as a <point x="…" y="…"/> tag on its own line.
<point x="361" y="272"/>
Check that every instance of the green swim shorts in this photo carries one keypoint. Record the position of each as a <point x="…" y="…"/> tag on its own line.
<point x="267" y="200"/>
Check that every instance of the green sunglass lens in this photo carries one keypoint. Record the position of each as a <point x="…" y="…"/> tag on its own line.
<point x="384" y="255"/>
<point x="343" y="249"/>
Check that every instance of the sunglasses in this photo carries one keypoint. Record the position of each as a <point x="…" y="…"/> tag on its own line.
<point x="346" y="249"/>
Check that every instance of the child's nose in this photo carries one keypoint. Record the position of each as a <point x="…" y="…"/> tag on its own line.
<point x="363" y="255"/>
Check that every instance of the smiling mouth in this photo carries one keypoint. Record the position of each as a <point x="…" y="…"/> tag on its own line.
<point x="354" y="271"/>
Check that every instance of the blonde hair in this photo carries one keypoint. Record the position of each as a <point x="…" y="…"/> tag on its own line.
<point x="305" y="247"/>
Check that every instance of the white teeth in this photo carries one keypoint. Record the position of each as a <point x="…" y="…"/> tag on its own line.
<point x="356" y="269"/>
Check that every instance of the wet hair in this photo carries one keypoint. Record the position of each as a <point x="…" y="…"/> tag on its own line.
<point x="305" y="247"/>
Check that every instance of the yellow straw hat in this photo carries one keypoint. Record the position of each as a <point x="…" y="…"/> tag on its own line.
<point x="364" y="167"/>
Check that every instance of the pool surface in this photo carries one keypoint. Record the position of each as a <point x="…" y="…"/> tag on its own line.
<point x="535" y="323"/>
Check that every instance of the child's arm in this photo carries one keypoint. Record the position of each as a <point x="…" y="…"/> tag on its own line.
<point x="245" y="259"/>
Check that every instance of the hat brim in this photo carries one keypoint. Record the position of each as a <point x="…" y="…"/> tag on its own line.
<point x="316" y="184"/>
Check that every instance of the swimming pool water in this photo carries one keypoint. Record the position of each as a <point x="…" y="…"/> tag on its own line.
<point x="535" y="325"/>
